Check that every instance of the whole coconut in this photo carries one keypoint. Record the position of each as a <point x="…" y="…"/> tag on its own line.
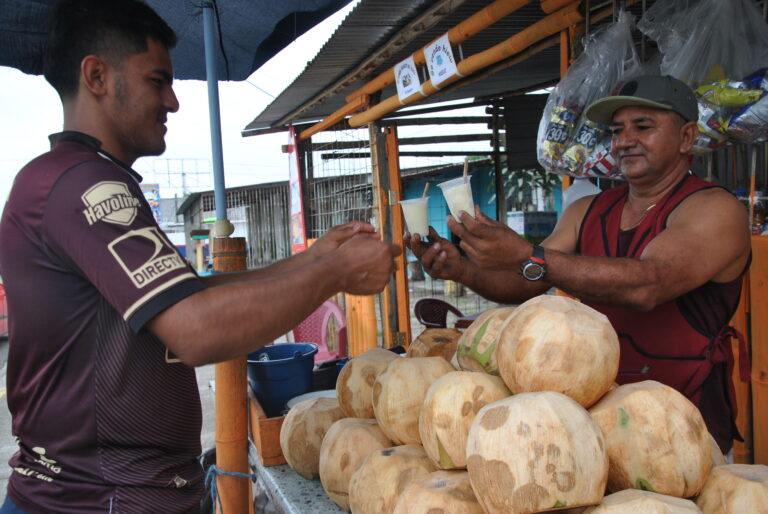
<point x="656" y="438"/>
<point x="477" y="346"/>
<point x="718" y="459"/>
<point x="344" y="447"/>
<point x="399" y="392"/>
<point x="378" y="482"/>
<point x="645" y="502"/>
<point x="448" y="410"/>
<point x="440" y="492"/>
<point x="735" y="489"/>
<point x="302" y="433"/>
<point x="536" y="451"/>
<point x="554" y="343"/>
<point x="354" y="386"/>
<point x="435" y="342"/>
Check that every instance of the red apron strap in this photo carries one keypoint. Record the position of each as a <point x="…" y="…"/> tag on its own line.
<point x="722" y="351"/>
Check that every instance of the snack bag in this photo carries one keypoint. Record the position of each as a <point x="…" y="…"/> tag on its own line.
<point x="565" y="139"/>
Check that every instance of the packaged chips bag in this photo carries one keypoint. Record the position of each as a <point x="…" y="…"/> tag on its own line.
<point x="565" y="138"/>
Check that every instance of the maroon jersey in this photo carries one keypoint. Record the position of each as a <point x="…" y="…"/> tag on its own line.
<point x="105" y="420"/>
<point x="684" y="343"/>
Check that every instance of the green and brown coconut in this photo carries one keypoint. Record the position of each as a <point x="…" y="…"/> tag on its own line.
<point x="656" y="439"/>
<point x="477" y="346"/>
<point x="346" y="444"/>
<point x="303" y="431"/>
<point x="534" y="452"/>
<point x="448" y="410"/>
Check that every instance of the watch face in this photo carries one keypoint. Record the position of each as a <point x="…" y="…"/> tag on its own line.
<point x="533" y="270"/>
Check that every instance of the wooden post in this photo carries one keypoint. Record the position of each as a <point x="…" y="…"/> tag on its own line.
<point x="398" y="228"/>
<point x="742" y="452"/>
<point x="232" y="402"/>
<point x="361" y="324"/>
<point x="758" y="290"/>
<point x="380" y="183"/>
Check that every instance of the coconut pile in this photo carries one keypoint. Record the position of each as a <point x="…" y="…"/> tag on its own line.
<point x="519" y="414"/>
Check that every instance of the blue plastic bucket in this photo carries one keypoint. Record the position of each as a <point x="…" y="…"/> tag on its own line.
<point x="286" y="374"/>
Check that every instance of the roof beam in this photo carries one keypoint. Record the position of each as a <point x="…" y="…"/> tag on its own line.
<point x="407" y="34"/>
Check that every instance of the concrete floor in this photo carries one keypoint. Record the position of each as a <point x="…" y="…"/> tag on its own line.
<point x="205" y="376"/>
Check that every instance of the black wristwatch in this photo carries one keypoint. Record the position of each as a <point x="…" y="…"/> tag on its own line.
<point x="536" y="267"/>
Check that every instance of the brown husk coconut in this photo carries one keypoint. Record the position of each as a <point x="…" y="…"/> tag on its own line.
<point x="554" y="343"/>
<point x="354" y="386"/>
<point x="440" y="492"/>
<point x="735" y="489"/>
<point x="448" y="410"/>
<point x="642" y="502"/>
<point x="344" y="447"/>
<point x="383" y="475"/>
<point x="435" y="342"/>
<point x="656" y="438"/>
<point x="477" y="346"/>
<point x="302" y="433"/>
<point x="536" y="451"/>
<point x="399" y="392"/>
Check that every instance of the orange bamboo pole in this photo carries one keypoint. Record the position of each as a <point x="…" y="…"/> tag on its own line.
<point x="517" y="43"/>
<point x="550" y="6"/>
<point x="458" y="34"/>
<point x="742" y="452"/>
<point x="354" y="105"/>
<point x="231" y="402"/>
<point x="361" y="324"/>
<point x="758" y="290"/>
<point x="398" y="228"/>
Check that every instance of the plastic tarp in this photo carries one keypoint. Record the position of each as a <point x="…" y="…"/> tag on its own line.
<point x="252" y="31"/>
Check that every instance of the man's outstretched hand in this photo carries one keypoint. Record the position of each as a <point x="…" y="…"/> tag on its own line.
<point x="438" y="257"/>
<point x="338" y="235"/>
<point x="488" y="243"/>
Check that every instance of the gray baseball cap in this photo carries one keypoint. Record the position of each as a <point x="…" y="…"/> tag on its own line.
<point x="656" y="91"/>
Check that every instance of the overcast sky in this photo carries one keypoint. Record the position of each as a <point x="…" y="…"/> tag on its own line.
<point x="30" y="110"/>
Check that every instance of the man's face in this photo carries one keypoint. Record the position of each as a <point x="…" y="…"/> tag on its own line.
<point x="647" y="143"/>
<point x="143" y="98"/>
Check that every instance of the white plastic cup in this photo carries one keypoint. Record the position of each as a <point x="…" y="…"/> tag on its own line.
<point x="415" y="213"/>
<point x="458" y="194"/>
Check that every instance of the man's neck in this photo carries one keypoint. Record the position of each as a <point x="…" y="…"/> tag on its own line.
<point x="641" y="196"/>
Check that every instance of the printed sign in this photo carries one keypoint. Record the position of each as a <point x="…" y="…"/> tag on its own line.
<point x="440" y="62"/>
<point x="407" y="79"/>
<point x="298" y="231"/>
<point x="158" y="257"/>
<point x="152" y="194"/>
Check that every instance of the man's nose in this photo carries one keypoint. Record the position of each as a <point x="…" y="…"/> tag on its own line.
<point x="624" y="139"/>
<point x="171" y="102"/>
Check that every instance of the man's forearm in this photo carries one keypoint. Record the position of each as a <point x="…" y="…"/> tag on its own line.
<point x="623" y="282"/>
<point x="502" y="286"/>
<point x="280" y="267"/>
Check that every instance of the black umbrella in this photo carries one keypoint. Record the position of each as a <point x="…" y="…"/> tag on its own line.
<point x="249" y="32"/>
<point x="240" y="35"/>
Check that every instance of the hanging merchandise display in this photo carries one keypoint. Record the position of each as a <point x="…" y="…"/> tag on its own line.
<point x="720" y="49"/>
<point x="567" y="142"/>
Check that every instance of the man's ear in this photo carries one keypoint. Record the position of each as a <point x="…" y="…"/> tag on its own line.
<point x="689" y="132"/>
<point x="93" y="75"/>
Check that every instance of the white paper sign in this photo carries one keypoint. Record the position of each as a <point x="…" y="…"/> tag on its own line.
<point x="407" y="78"/>
<point x="440" y="60"/>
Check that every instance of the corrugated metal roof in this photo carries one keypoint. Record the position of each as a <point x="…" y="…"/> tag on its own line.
<point x="373" y="22"/>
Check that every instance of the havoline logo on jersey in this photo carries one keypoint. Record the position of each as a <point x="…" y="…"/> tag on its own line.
<point x="145" y="255"/>
<point x="110" y="201"/>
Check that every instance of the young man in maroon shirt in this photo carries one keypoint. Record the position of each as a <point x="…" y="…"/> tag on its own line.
<point x="108" y="319"/>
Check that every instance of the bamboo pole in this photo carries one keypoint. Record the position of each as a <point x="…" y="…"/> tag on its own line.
<point x="458" y="34"/>
<point x="231" y="402"/>
<point x="354" y="105"/>
<point x="398" y="228"/>
<point x="758" y="289"/>
<point x="543" y="28"/>
<point x="550" y="6"/>
<point x="742" y="451"/>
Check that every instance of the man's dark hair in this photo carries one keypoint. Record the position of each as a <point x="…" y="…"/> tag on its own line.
<point x="110" y="29"/>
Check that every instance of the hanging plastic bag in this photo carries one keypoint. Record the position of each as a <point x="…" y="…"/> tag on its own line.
<point x="712" y="45"/>
<point x="566" y="140"/>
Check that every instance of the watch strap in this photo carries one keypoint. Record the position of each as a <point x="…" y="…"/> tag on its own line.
<point x="538" y="255"/>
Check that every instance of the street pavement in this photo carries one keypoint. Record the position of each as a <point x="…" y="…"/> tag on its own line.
<point x="205" y="376"/>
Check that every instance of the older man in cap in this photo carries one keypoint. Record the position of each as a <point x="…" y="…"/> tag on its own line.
<point x="662" y="256"/>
